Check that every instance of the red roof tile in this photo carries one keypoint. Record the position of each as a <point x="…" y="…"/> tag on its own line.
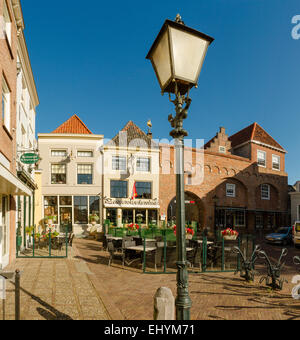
<point x="74" y="125"/>
<point x="254" y="132"/>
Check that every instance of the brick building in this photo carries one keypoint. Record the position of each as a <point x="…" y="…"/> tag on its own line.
<point x="11" y="43"/>
<point x="244" y="182"/>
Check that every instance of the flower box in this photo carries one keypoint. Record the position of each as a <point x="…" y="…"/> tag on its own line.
<point x="231" y="238"/>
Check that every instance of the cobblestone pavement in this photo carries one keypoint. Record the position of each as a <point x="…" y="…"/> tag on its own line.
<point x="84" y="287"/>
<point x="129" y="293"/>
<point x="54" y="289"/>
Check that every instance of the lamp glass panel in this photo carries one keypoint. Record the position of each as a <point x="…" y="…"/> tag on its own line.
<point x="189" y="52"/>
<point x="161" y="60"/>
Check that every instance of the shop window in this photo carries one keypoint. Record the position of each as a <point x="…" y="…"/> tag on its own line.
<point x="65" y="200"/>
<point x="143" y="164"/>
<point x="58" y="174"/>
<point x="140" y="216"/>
<point x="152" y="217"/>
<point x="127" y="216"/>
<point x="112" y="216"/>
<point x="118" y="189"/>
<point x="85" y="174"/>
<point x="240" y="220"/>
<point x="94" y="205"/>
<point x="81" y="209"/>
<point x="220" y="218"/>
<point x="51" y="207"/>
<point x="259" y="221"/>
<point x="144" y="190"/>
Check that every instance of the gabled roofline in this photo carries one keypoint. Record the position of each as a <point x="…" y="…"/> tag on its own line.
<point x="260" y="143"/>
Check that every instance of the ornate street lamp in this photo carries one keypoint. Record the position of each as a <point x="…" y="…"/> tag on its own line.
<point x="177" y="56"/>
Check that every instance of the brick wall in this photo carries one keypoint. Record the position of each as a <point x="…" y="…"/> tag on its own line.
<point x="221" y="169"/>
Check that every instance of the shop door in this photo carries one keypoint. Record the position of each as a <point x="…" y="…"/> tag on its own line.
<point x="66" y="219"/>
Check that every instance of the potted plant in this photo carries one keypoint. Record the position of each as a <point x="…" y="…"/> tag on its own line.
<point x="230" y="234"/>
<point x="94" y="219"/>
<point x="50" y="220"/>
<point x="189" y="233"/>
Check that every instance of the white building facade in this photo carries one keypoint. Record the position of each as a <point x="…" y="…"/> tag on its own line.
<point x="71" y="176"/>
<point x="131" y="178"/>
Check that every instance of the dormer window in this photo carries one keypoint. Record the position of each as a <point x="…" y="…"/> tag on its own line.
<point x="261" y="158"/>
<point x="275" y="162"/>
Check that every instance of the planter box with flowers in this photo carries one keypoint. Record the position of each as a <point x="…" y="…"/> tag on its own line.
<point x="189" y="232"/>
<point x="230" y="235"/>
<point x="133" y="229"/>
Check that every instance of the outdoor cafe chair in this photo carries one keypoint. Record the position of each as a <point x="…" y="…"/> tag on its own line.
<point x="113" y="253"/>
<point x="155" y="256"/>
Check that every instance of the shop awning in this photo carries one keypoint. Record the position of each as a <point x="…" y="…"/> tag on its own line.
<point x="11" y="185"/>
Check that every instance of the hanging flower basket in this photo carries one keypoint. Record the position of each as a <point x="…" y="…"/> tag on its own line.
<point x="230" y="235"/>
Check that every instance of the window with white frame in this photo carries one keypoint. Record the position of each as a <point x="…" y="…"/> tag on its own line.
<point x="85" y="154"/>
<point x="84" y="174"/>
<point x="7" y="22"/>
<point x="261" y="158"/>
<point x="119" y="163"/>
<point x="275" y="162"/>
<point x="5" y="104"/>
<point x="222" y="149"/>
<point x="230" y="190"/>
<point x="58" y="174"/>
<point x="265" y="192"/>
<point x="58" y="153"/>
<point x="143" y="164"/>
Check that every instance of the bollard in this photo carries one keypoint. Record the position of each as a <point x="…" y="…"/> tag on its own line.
<point x="164" y="305"/>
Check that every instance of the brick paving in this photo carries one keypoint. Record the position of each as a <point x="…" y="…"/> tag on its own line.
<point x="84" y="287"/>
<point x="221" y="296"/>
<point x="54" y="289"/>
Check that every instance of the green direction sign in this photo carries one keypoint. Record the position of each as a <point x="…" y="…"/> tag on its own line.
<point x="30" y="158"/>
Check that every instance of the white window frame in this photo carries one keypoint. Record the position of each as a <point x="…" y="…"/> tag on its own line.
<point x="7" y="22"/>
<point x="269" y="192"/>
<point x="222" y="149"/>
<point x="230" y="187"/>
<point x="85" y="153"/>
<point x="91" y="173"/>
<point x="279" y="162"/>
<point x="119" y="157"/>
<point x="6" y="111"/>
<point x="265" y="158"/>
<point x="61" y="153"/>
<point x="141" y="169"/>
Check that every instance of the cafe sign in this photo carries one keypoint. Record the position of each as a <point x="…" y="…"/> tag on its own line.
<point x="30" y="158"/>
<point x="129" y="203"/>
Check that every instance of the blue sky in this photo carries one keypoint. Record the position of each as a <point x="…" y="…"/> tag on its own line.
<point x="88" y="58"/>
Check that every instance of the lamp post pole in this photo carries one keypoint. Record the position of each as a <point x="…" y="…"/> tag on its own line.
<point x="183" y="300"/>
